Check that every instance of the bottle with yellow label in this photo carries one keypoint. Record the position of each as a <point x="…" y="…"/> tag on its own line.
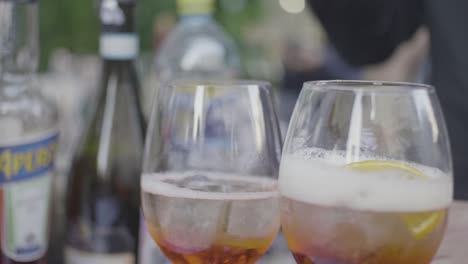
<point x="28" y="139"/>
<point x="197" y="48"/>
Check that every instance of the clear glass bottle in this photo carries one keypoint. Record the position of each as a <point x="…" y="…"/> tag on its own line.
<point x="196" y="49"/>
<point x="103" y="200"/>
<point x="28" y="139"/>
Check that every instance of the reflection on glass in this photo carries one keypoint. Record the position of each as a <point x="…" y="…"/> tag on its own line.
<point x="209" y="188"/>
<point x="366" y="174"/>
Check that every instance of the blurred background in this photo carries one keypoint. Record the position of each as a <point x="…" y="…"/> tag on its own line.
<point x="278" y="40"/>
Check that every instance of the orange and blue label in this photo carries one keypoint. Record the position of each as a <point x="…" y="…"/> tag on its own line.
<point x="22" y="162"/>
<point x="25" y="191"/>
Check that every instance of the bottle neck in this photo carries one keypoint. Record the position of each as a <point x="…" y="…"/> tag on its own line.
<point x="118" y="48"/>
<point x="118" y="40"/>
<point x="118" y="77"/>
<point x="118" y="53"/>
<point x="119" y="92"/>
<point x="19" y="35"/>
<point x="196" y="18"/>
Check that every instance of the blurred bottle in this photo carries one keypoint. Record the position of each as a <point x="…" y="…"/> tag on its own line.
<point x="103" y="193"/>
<point x="197" y="49"/>
<point x="28" y="139"/>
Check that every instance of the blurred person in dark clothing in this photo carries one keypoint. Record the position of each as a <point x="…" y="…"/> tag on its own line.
<point x="368" y="31"/>
<point x="308" y="65"/>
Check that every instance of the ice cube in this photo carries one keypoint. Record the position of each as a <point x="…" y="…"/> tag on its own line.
<point x="253" y="218"/>
<point x="189" y="225"/>
<point x="196" y="183"/>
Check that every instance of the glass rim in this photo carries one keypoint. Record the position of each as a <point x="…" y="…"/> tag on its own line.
<point x="368" y="86"/>
<point x="220" y="83"/>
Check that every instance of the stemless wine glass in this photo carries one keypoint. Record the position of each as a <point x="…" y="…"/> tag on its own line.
<point x="209" y="190"/>
<point x="366" y="174"/>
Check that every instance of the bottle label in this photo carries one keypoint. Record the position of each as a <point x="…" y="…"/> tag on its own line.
<point x="25" y="184"/>
<point x="75" y="256"/>
<point x="118" y="46"/>
<point x="195" y="7"/>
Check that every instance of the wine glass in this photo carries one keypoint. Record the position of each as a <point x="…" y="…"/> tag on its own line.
<point x="366" y="174"/>
<point x="209" y="189"/>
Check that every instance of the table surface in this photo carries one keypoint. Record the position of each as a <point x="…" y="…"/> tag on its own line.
<point x="454" y="248"/>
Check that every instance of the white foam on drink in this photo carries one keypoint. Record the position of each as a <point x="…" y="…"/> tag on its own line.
<point x="321" y="178"/>
<point x="156" y="183"/>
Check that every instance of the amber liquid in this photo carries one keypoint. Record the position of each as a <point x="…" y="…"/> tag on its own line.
<point x="219" y="230"/>
<point x="327" y="235"/>
<point x="222" y="251"/>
